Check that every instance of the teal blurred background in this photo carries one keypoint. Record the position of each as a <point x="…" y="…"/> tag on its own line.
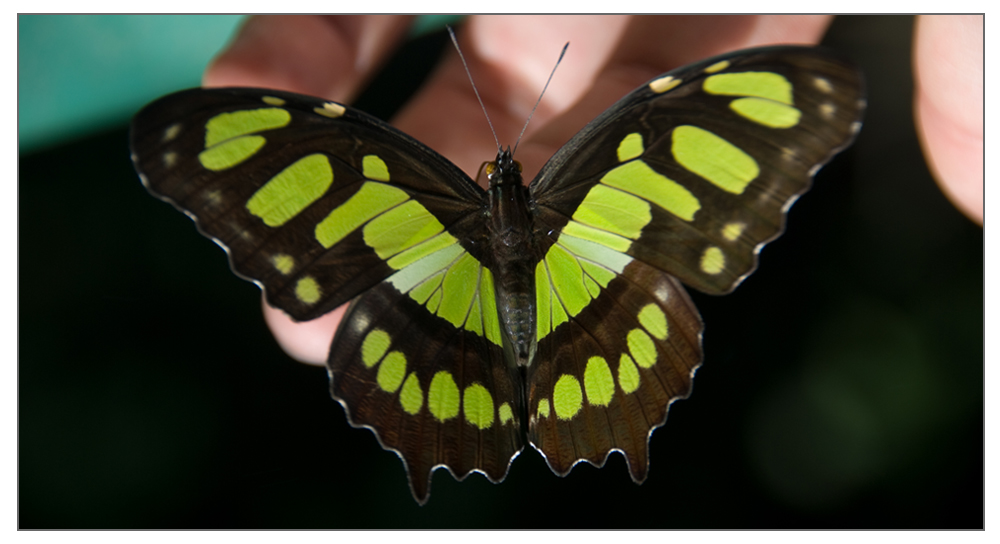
<point x="78" y="74"/>
<point x="842" y="384"/>
<point x="82" y="73"/>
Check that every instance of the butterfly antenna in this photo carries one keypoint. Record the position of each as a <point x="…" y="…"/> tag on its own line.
<point x="474" y="89"/>
<point x="525" y="127"/>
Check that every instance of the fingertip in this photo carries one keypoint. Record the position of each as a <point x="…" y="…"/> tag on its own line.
<point x="954" y="156"/>
<point x="308" y="341"/>
<point x="327" y="56"/>
<point x="277" y="52"/>
<point x="948" y="77"/>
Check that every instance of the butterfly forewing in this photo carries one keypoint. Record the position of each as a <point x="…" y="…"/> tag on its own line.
<point x="708" y="158"/>
<point x="297" y="188"/>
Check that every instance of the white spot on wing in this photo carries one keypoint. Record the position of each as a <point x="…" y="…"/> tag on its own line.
<point x="331" y="110"/>
<point x="169" y="159"/>
<point x="827" y="110"/>
<point x="662" y="293"/>
<point x="823" y="85"/>
<point x="171" y="132"/>
<point x="663" y="84"/>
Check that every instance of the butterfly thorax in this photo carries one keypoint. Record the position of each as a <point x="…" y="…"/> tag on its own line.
<point x="515" y="254"/>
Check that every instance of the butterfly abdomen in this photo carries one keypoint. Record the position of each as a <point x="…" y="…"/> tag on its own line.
<point x="515" y="255"/>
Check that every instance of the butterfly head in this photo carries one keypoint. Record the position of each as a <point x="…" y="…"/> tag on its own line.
<point x="504" y="170"/>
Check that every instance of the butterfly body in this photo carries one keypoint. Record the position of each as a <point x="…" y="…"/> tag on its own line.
<point x="514" y="256"/>
<point x="485" y="320"/>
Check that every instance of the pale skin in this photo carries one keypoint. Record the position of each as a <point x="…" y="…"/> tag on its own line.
<point x="511" y="57"/>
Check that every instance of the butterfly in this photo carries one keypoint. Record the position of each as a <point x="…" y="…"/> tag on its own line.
<point x="549" y="314"/>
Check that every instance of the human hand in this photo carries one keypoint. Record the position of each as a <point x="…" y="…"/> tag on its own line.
<point x="510" y="58"/>
<point x="948" y="105"/>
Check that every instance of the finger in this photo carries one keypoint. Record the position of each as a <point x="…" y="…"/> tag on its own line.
<point x="510" y="72"/>
<point x="307" y="341"/>
<point x="651" y="46"/>
<point x="327" y="56"/>
<point x="503" y="56"/>
<point x="948" y="61"/>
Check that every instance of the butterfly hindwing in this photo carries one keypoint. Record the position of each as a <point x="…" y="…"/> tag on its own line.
<point x="604" y="379"/>
<point x="461" y="412"/>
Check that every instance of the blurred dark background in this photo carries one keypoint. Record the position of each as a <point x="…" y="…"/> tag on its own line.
<point x="842" y="385"/>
